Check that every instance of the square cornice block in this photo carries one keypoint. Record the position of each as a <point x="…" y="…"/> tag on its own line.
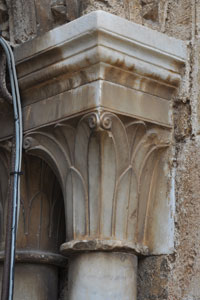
<point x="99" y="61"/>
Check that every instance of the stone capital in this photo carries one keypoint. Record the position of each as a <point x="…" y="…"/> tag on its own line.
<point x="97" y="107"/>
<point x="113" y="174"/>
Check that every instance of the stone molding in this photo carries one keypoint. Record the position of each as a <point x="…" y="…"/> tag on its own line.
<point x="90" y="57"/>
<point x="37" y="257"/>
<point x="96" y="97"/>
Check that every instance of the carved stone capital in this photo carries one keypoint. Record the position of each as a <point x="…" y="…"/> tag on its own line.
<point x="113" y="173"/>
<point x="40" y="228"/>
<point x="41" y="221"/>
<point x="96" y="96"/>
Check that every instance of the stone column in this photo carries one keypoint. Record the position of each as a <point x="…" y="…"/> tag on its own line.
<point x="103" y="275"/>
<point x="111" y="167"/>
<point x="40" y="232"/>
<point x="97" y="108"/>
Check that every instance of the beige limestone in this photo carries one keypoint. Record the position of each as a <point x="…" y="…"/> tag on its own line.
<point x="185" y="269"/>
<point x="106" y="131"/>
<point x="181" y="20"/>
<point x="102" y="276"/>
<point x="121" y="82"/>
<point x="40" y="229"/>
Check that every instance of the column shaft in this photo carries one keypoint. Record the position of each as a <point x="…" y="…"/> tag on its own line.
<point x="34" y="281"/>
<point x="102" y="276"/>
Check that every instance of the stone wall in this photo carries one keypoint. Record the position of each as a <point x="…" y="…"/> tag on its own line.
<point x="4" y="19"/>
<point x="176" y="276"/>
<point x="28" y="19"/>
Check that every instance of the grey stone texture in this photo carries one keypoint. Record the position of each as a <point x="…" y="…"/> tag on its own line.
<point x="4" y="26"/>
<point x="176" y="276"/>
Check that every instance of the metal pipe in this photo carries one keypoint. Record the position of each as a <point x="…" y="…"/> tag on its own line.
<point x="7" y="291"/>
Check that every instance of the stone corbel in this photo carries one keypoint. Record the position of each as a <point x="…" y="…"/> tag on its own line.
<point x="96" y="95"/>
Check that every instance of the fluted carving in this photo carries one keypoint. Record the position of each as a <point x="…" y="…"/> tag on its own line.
<point x="41" y="227"/>
<point x="109" y="168"/>
<point x="41" y="222"/>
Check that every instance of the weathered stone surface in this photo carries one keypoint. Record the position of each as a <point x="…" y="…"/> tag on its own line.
<point x="184" y="273"/>
<point x="117" y="7"/>
<point x="43" y="16"/>
<point x="118" y="93"/>
<point x="102" y="276"/>
<point x="45" y="232"/>
<point x="153" y="275"/>
<point x="177" y="276"/>
<point x="5" y="157"/>
<point x="27" y="19"/>
<point x="35" y="281"/>
<point x="59" y="12"/>
<point x="182" y="120"/>
<point x="4" y="16"/>
<point x="175" y="18"/>
<point x="109" y="155"/>
<point x="131" y="202"/>
<point x="144" y="68"/>
<point x="22" y="20"/>
<point x="195" y="87"/>
<point x="179" y="19"/>
<point x="40" y="228"/>
<point x="41" y="222"/>
<point x="137" y="70"/>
